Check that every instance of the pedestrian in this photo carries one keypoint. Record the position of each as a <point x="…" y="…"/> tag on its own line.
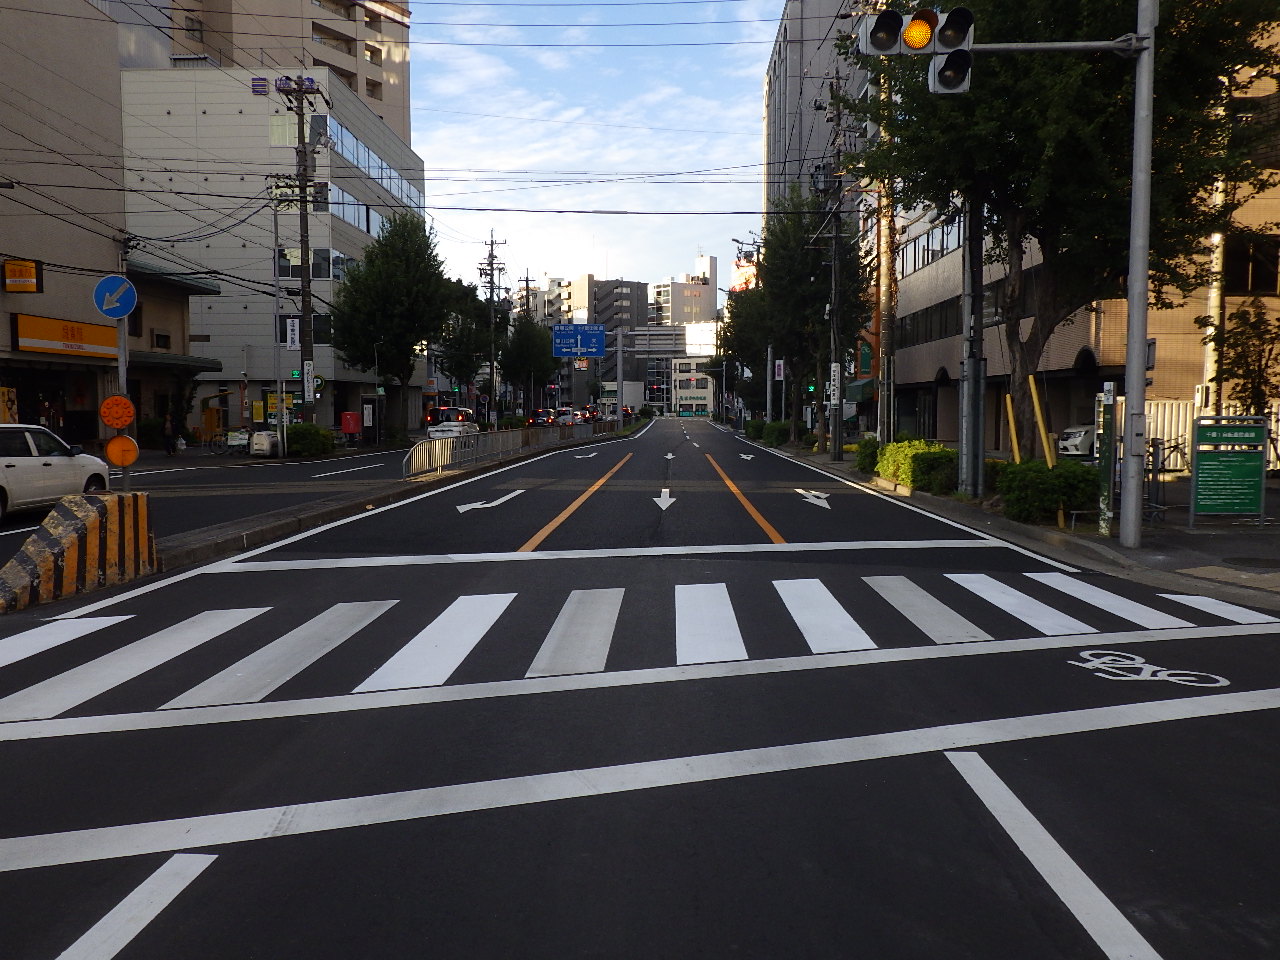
<point x="170" y="432"/>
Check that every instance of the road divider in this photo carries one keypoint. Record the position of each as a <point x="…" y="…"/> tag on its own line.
<point x="87" y="542"/>
<point x="773" y="535"/>
<point x="534" y="541"/>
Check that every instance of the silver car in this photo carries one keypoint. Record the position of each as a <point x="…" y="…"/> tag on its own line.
<point x="37" y="468"/>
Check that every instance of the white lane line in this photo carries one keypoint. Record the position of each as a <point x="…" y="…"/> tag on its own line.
<point x="439" y="649"/>
<point x="135" y="839"/>
<point x="338" y="563"/>
<point x="580" y="638"/>
<point x="1220" y="608"/>
<point x="334" y="473"/>
<point x="255" y="676"/>
<point x="1103" y="921"/>
<point x="49" y="635"/>
<point x="706" y="628"/>
<point x="352" y="703"/>
<point x="106" y="938"/>
<point x="72" y="688"/>
<point x="934" y="618"/>
<point x="1029" y="610"/>
<point x="1131" y="610"/>
<point x="826" y="625"/>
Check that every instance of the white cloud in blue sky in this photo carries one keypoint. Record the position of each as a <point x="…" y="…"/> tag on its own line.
<point x="604" y="127"/>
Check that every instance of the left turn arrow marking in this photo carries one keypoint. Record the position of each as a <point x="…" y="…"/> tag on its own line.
<point x="464" y="507"/>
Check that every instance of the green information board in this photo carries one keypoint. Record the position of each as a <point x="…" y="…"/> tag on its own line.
<point x="1228" y="467"/>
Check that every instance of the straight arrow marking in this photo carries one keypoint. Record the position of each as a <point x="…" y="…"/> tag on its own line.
<point x="464" y="507"/>
<point x="666" y="499"/>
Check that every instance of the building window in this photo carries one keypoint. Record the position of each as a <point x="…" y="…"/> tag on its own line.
<point x="1251" y="265"/>
<point x="194" y="29"/>
<point x="135" y="320"/>
<point x="159" y="340"/>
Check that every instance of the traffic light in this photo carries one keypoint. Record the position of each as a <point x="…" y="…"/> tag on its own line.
<point x="952" y="62"/>
<point x="947" y="37"/>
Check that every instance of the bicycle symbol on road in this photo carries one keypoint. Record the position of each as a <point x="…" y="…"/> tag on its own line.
<point x="1116" y="665"/>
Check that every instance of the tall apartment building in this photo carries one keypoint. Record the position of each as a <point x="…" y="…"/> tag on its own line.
<point x="364" y="42"/>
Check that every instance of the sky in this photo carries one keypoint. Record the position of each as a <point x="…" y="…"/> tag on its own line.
<point x="649" y="110"/>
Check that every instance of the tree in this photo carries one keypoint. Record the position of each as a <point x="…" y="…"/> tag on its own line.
<point x="1248" y="349"/>
<point x="526" y="358"/>
<point x="391" y="304"/>
<point x="1045" y="152"/>
<point x="464" y="345"/>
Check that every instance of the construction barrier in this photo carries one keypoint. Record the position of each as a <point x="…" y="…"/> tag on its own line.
<point x="87" y="541"/>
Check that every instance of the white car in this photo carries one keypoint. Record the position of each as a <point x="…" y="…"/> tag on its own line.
<point x="38" y="469"/>
<point x="451" y="422"/>
<point x="1078" y="441"/>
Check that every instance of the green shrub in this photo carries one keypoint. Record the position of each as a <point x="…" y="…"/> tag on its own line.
<point x="991" y="477"/>
<point x="936" y="471"/>
<point x="646" y="412"/>
<point x="809" y="440"/>
<point x="1033" y="493"/>
<point x="867" y="453"/>
<point x="776" y="433"/>
<point x="896" y="461"/>
<point x="754" y="429"/>
<point x="309" y="440"/>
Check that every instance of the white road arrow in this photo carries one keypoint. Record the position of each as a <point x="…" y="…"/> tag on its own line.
<point x="671" y="456"/>
<point x="747" y="456"/>
<point x="816" y="497"/>
<point x="666" y="499"/>
<point x="583" y="456"/>
<point x="464" y="507"/>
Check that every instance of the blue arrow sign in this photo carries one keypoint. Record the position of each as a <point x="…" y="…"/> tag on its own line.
<point x="115" y="297"/>
<point x="577" y="340"/>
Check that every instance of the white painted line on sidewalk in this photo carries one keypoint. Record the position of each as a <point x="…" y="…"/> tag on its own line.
<point x="580" y="638"/>
<point x="106" y="938"/>
<point x="439" y="649"/>
<point x="136" y="839"/>
<point x="825" y="624"/>
<point x="1103" y="921"/>
<point x="1029" y="610"/>
<point x="1220" y="608"/>
<point x="934" y="618"/>
<point x="255" y="676"/>
<point x="1131" y="610"/>
<point x="392" y="699"/>
<point x="73" y="687"/>
<point x="706" y="628"/>
<point x="49" y="635"/>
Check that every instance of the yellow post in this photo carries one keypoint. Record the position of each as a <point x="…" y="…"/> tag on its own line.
<point x="1049" y="457"/>
<point x="1013" y="428"/>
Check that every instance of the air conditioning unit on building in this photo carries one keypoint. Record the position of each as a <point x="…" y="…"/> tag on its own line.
<point x="1204" y="395"/>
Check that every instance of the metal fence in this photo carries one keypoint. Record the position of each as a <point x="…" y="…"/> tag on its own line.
<point x="448" y="453"/>
<point x="1170" y="421"/>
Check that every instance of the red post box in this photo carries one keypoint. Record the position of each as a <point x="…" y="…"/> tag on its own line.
<point x="350" y="422"/>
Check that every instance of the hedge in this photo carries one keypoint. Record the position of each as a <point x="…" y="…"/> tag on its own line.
<point x="1033" y="493"/>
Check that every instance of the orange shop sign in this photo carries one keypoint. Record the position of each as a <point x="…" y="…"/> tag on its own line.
<point x="69" y="337"/>
<point x="23" y="276"/>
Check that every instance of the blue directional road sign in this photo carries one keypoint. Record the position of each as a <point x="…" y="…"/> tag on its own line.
<point x="115" y="297"/>
<point x="577" y="340"/>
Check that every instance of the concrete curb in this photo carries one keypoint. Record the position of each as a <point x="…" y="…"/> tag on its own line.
<point x="86" y="542"/>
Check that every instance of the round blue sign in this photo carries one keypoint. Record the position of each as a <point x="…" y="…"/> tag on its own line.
<point x="115" y="297"/>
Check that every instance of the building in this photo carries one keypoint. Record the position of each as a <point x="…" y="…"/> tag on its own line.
<point x="692" y="391"/>
<point x="690" y="298"/>
<point x="214" y="189"/>
<point x="63" y="231"/>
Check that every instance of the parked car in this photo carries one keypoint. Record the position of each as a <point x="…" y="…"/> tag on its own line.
<point x="37" y="468"/>
<point x="1078" y="441"/>
<point x="451" y="422"/>
<point x="541" y="418"/>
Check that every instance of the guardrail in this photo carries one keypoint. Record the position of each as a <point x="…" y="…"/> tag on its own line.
<point x="447" y="453"/>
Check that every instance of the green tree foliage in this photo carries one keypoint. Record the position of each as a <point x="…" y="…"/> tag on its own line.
<point x="788" y="307"/>
<point x="1043" y="141"/>
<point x="1248" y="349"/>
<point x="391" y="304"/>
<point x="463" y="347"/>
<point x="526" y="359"/>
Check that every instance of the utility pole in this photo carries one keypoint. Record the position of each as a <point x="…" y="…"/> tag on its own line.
<point x="490" y="268"/>
<point x="298" y="90"/>
<point x="836" y="410"/>
<point x="973" y="364"/>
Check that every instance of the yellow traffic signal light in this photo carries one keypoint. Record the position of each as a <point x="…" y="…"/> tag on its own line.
<point x="917" y="35"/>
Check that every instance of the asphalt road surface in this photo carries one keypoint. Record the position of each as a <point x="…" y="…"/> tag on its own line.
<point x="667" y="696"/>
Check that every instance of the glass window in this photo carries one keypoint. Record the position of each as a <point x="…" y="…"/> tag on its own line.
<point x="13" y="443"/>
<point x="47" y="445"/>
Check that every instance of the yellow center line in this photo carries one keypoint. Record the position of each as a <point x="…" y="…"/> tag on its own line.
<point x="546" y="531"/>
<point x="765" y="525"/>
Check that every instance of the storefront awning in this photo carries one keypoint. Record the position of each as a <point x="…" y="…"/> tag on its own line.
<point x="856" y="391"/>
<point x="174" y="361"/>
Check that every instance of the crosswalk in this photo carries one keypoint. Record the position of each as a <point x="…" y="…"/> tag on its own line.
<point x="707" y="623"/>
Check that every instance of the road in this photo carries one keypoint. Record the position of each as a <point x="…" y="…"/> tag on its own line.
<point x="666" y="696"/>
